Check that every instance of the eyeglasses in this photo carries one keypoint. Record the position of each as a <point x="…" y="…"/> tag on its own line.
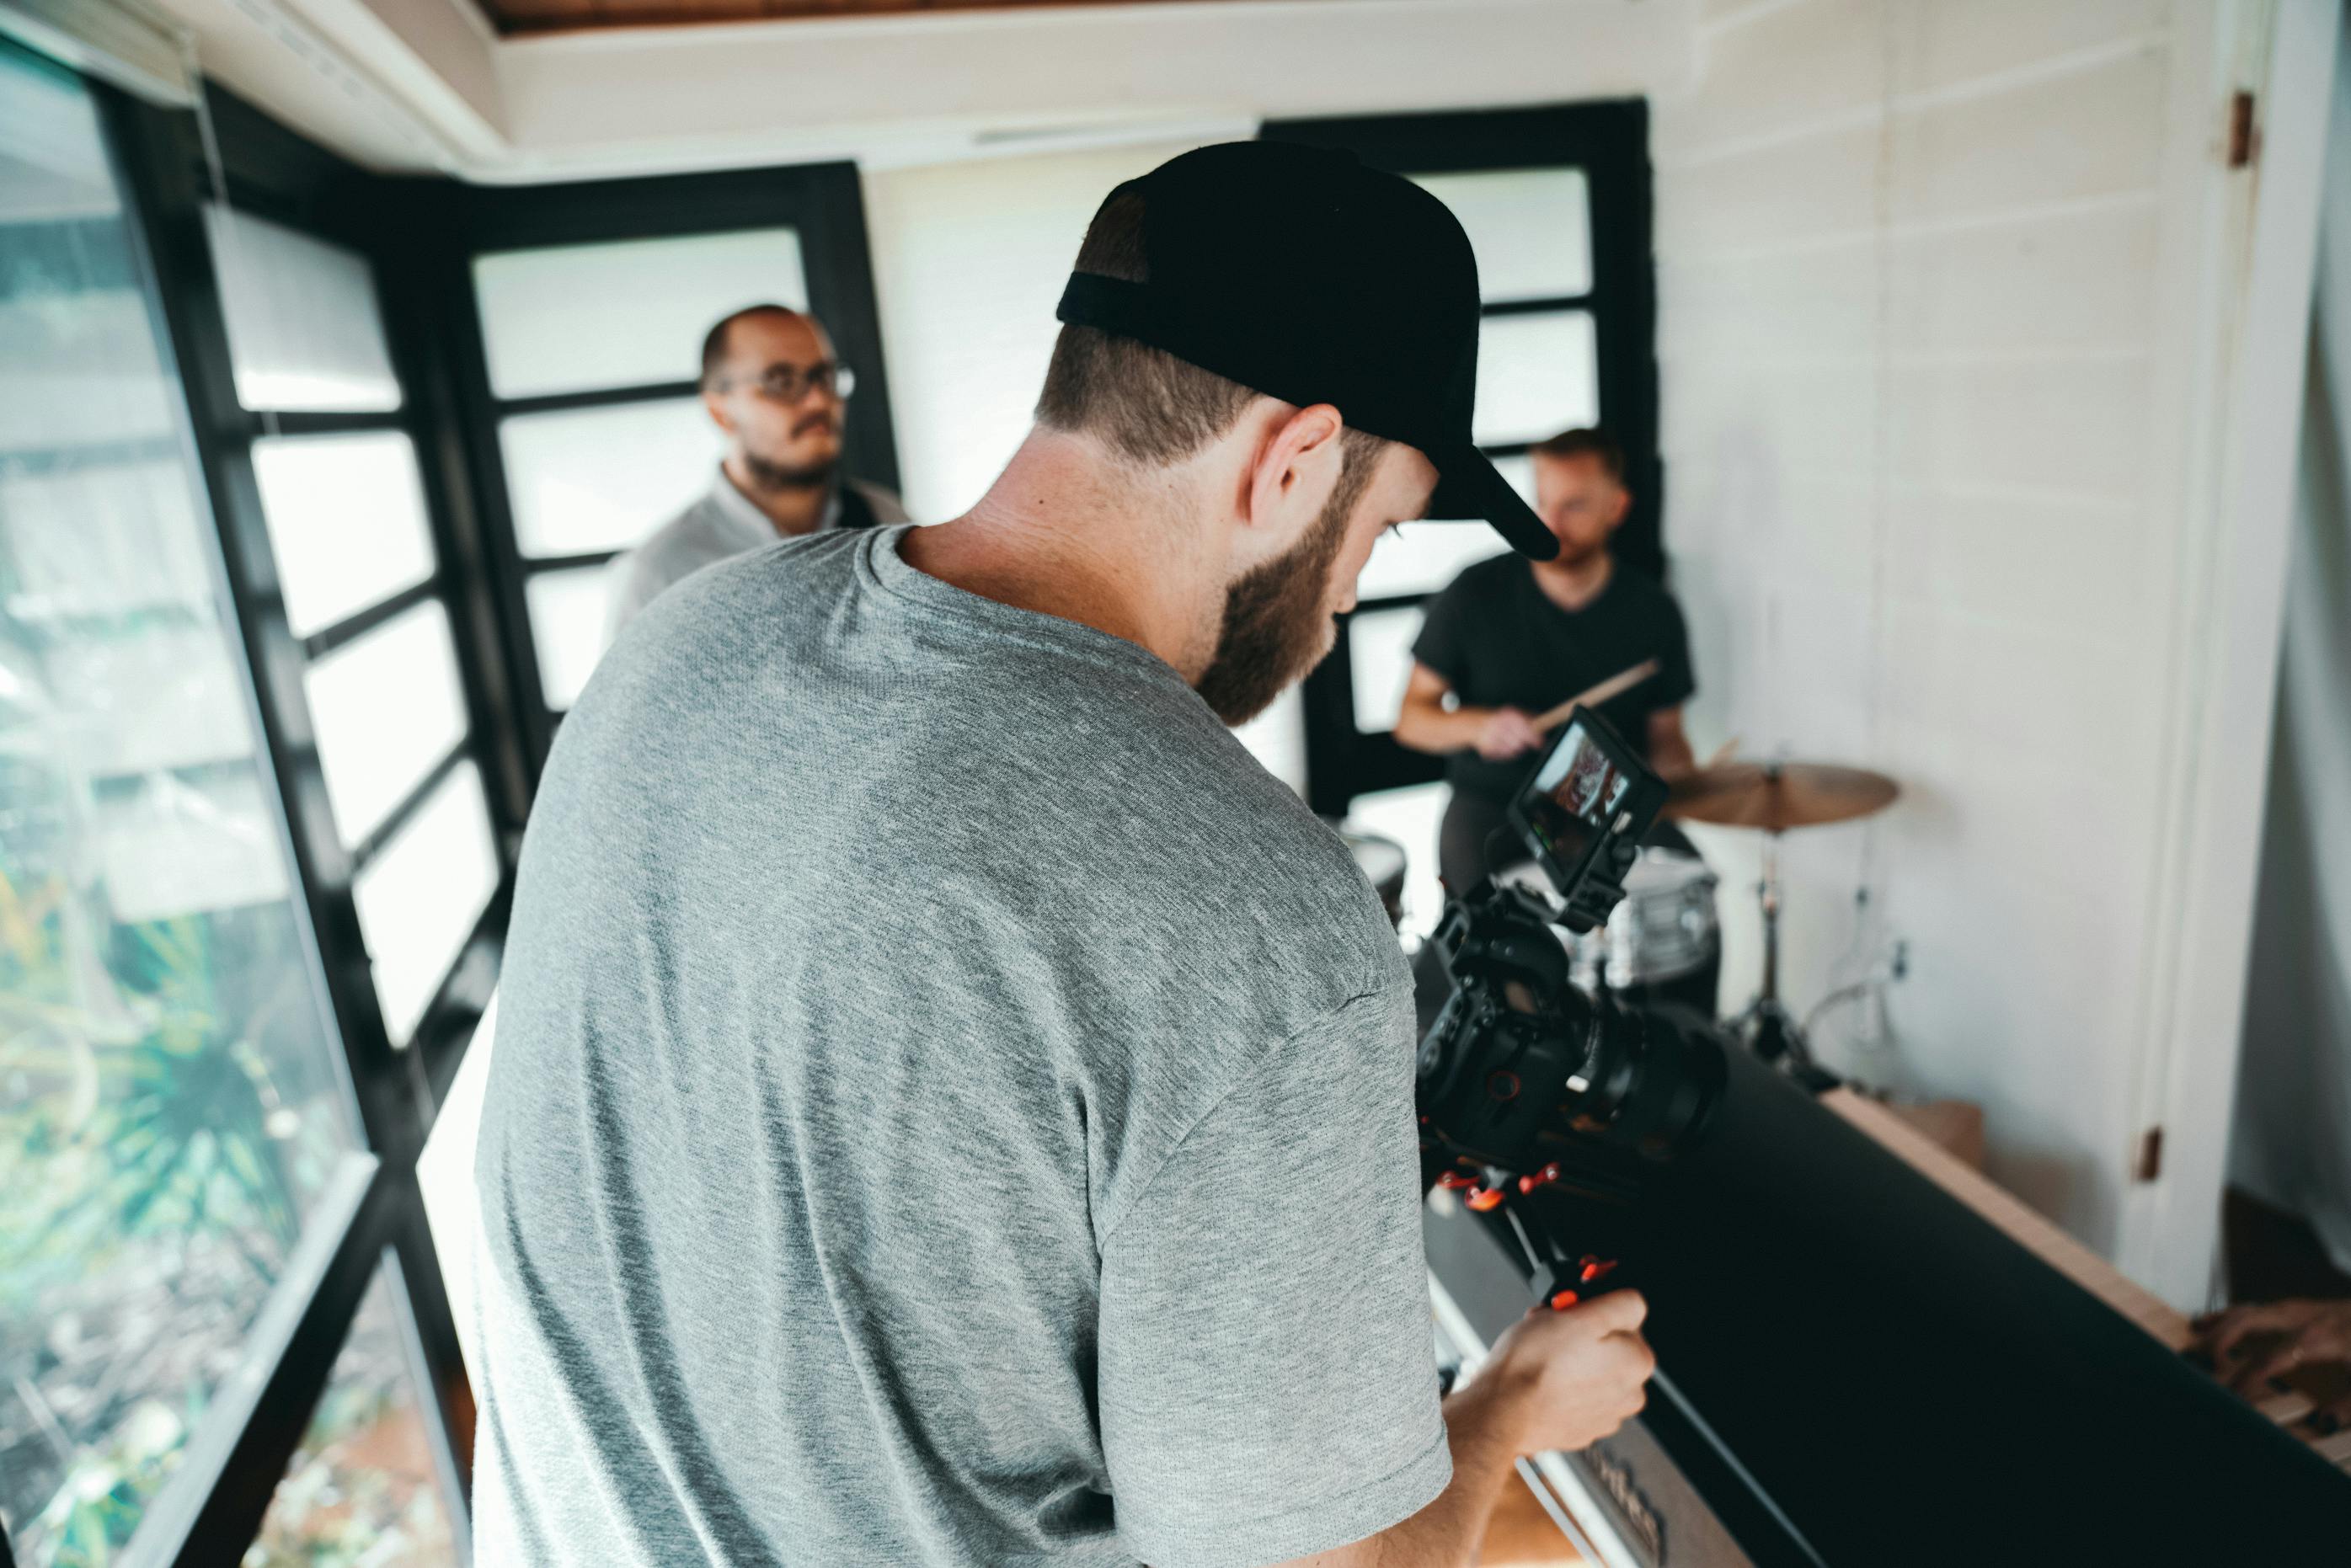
<point x="789" y="383"/>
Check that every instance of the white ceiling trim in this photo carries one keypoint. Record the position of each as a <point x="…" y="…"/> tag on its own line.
<point x="422" y="85"/>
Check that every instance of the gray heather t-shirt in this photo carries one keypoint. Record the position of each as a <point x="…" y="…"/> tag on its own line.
<point x="951" y="1106"/>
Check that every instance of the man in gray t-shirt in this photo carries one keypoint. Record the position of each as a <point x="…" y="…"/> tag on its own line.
<point x="951" y="1105"/>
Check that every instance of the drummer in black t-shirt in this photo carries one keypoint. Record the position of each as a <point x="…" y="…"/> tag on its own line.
<point x="1512" y="637"/>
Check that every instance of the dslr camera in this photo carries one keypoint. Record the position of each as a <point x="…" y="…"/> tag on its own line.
<point x="1526" y="1081"/>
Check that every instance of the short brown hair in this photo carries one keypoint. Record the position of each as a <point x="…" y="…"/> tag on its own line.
<point x="714" y="342"/>
<point x="1593" y="443"/>
<point x="1148" y="406"/>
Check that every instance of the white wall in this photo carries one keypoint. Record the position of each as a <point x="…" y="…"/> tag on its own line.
<point x="1927" y="407"/>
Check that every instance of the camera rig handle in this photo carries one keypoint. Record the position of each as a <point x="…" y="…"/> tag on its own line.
<point x="1557" y="1280"/>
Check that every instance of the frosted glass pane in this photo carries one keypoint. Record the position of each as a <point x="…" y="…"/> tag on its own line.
<point x="1379" y="649"/>
<point x="418" y="899"/>
<point x="631" y="314"/>
<point x="567" y="626"/>
<point x="1277" y="738"/>
<point x="304" y="329"/>
<point x="346" y="517"/>
<point x="1531" y="229"/>
<point x="601" y="479"/>
<point x="1411" y="817"/>
<point x="385" y="708"/>
<point x="1422" y="557"/>
<point x="1535" y="377"/>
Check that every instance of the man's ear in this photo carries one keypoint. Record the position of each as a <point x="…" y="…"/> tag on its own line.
<point x="1624" y="508"/>
<point x="716" y="407"/>
<point x="1297" y="467"/>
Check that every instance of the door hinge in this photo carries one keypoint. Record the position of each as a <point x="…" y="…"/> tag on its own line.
<point x="2149" y="1163"/>
<point x="2244" y="136"/>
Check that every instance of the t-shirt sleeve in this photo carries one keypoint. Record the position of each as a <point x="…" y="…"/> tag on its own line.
<point x="1677" y="682"/>
<point x="1267" y="1378"/>
<point x="1443" y="644"/>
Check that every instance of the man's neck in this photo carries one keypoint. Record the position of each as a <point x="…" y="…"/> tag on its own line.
<point x="1573" y="584"/>
<point x="791" y="509"/>
<point x="1066" y="531"/>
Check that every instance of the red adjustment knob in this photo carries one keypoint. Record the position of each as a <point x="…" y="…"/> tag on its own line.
<point x="1482" y="1199"/>
<point x="1562" y="1300"/>
<point x="1544" y="1178"/>
<point x="1595" y="1268"/>
<point x="1456" y="1181"/>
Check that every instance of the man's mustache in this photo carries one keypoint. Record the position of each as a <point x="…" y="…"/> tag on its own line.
<point x="817" y="422"/>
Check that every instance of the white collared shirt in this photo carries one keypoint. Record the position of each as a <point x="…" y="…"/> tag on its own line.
<point x="724" y="522"/>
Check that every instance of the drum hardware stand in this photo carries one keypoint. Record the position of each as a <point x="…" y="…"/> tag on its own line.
<point x="1768" y="1027"/>
<point x="1774" y="797"/>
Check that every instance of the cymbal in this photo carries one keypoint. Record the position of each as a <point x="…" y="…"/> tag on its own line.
<point x="1776" y="796"/>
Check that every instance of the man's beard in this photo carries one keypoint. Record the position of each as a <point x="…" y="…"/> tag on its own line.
<point x="769" y="475"/>
<point x="1275" y="620"/>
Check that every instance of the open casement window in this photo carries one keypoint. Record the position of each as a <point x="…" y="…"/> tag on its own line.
<point x="219" y="762"/>
<point x="302" y="470"/>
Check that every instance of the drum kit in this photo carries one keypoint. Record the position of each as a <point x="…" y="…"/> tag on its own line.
<point x="1663" y="941"/>
<point x="1773" y="798"/>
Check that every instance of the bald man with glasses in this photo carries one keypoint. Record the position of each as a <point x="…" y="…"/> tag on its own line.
<point x="771" y="383"/>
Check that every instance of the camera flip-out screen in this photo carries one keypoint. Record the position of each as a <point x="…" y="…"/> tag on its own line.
<point x="1591" y="792"/>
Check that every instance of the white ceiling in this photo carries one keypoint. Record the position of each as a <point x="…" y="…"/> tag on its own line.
<point x="419" y="85"/>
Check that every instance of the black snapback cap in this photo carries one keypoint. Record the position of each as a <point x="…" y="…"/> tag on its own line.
<point x="1300" y="274"/>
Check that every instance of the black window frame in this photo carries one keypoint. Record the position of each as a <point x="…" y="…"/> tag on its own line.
<point x="824" y="203"/>
<point x="1608" y="139"/>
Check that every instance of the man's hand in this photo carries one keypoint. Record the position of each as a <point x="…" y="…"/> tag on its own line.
<point x="1508" y="732"/>
<point x="1556" y="1380"/>
<point x="2250" y="1346"/>
<point x="1563" y="1380"/>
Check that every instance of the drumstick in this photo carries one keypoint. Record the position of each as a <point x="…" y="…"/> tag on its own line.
<point x="1624" y="681"/>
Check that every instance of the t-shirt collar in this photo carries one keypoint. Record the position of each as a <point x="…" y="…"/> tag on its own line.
<point x="1616" y="572"/>
<point x="887" y="569"/>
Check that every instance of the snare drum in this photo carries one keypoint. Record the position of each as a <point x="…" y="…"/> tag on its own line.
<point x="1663" y="929"/>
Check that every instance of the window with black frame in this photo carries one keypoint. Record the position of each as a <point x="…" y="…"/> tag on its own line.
<point x="591" y="440"/>
<point x="207" y="1307"/>
<point x="1556" y="203"/>
<point x="359" y="584"/>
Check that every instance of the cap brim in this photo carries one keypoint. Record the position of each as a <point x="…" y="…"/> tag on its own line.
<point x="1470" y="489"/>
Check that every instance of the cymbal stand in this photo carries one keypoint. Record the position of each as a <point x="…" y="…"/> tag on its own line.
<point x="1770" y="1030"/>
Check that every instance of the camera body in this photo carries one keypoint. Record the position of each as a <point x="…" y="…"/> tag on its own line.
<point x="1520" y="1073"/>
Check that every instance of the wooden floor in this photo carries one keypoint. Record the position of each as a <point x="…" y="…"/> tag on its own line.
<point x="1520" y="1534"/>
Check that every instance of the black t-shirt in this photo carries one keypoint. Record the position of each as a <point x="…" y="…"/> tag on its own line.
<point x="1501" y="643"/>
